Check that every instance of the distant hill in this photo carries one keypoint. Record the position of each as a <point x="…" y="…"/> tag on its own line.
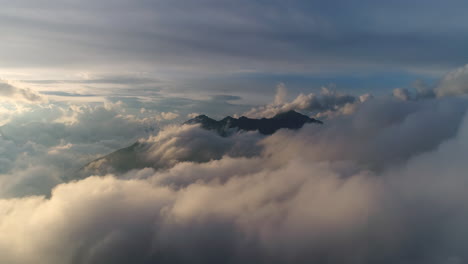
<point x="266" y="126"/>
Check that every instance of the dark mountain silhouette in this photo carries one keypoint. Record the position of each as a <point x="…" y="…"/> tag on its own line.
<point x="135" y="156"/>
<point x="266" y="126"/>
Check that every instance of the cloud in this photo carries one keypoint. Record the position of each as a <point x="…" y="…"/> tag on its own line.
<point x="281" y="93"/>
<point x="175" y="144"/>
<point x="419" y="91"/>
<point x="281" y="207"/>
<point x="168" y="116"/>
<point x="327" y="103"/>
<point x="402" y="94"/>
<point x="381" y="183"/>
<point x="381" y="133"/>
<point x="14" y="93"/>
<point x="454" y="83"/>
<point x="43" y="143"/>
<point x="158" y="224"/>
<point x="176" y="35"/>
<point x="193" y="115"/>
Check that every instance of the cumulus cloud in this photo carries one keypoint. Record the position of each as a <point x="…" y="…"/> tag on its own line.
<point x="420" y="92"/>
<point x="14" y="93"/>
<point x="402" y="94"/>
<point x="297" y="202"/>
<point x="45" y="142"/>
<point x="327" y="103"/>
<point x="381" y="133"/>
<point x="383" y="182"/>
<point x="454" y="82"/>
<point x="168" y="116"/>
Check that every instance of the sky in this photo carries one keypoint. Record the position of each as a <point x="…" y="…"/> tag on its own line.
<point x="201" y="48"/>
<point x="382" y="180"/>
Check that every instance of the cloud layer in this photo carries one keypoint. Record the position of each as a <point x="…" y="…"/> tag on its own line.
<point x="371" y="186"/>
<point x="326" y="103"/>
<point x="13" y="93"/>
<point x="383" y="183"/>
<point x="218" y="35"/>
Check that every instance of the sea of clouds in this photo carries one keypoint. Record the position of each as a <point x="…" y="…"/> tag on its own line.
<point x="382" y="181"/>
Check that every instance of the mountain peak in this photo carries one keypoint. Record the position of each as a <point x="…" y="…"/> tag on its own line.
<point x="134" y="156"/>
<point x="267" y="126"/>
<point x="201" y="117"/>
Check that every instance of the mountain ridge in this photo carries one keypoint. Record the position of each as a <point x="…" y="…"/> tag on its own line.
<point x="267" y="126"/>
<point x="133" y="156"/>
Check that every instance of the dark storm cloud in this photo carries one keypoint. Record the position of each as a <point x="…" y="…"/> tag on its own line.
<point x="248" y="35"/>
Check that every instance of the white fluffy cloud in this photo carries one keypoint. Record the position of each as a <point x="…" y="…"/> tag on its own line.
<point x="42" y="143"/>
<point x="286" y="205"/>
<point x="382" y="182"/>
<point x="168" y="116"/>
<point x="454" y="82"/>
<point x="355" y="190"/>
<point x="327" y="103"/>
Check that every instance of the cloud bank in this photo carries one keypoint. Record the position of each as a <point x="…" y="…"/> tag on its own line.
<point x="367" y="188"/>
<point x="384" y="183"/>
<point x="454" y="83"/>
<point x="326" y="103"/>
